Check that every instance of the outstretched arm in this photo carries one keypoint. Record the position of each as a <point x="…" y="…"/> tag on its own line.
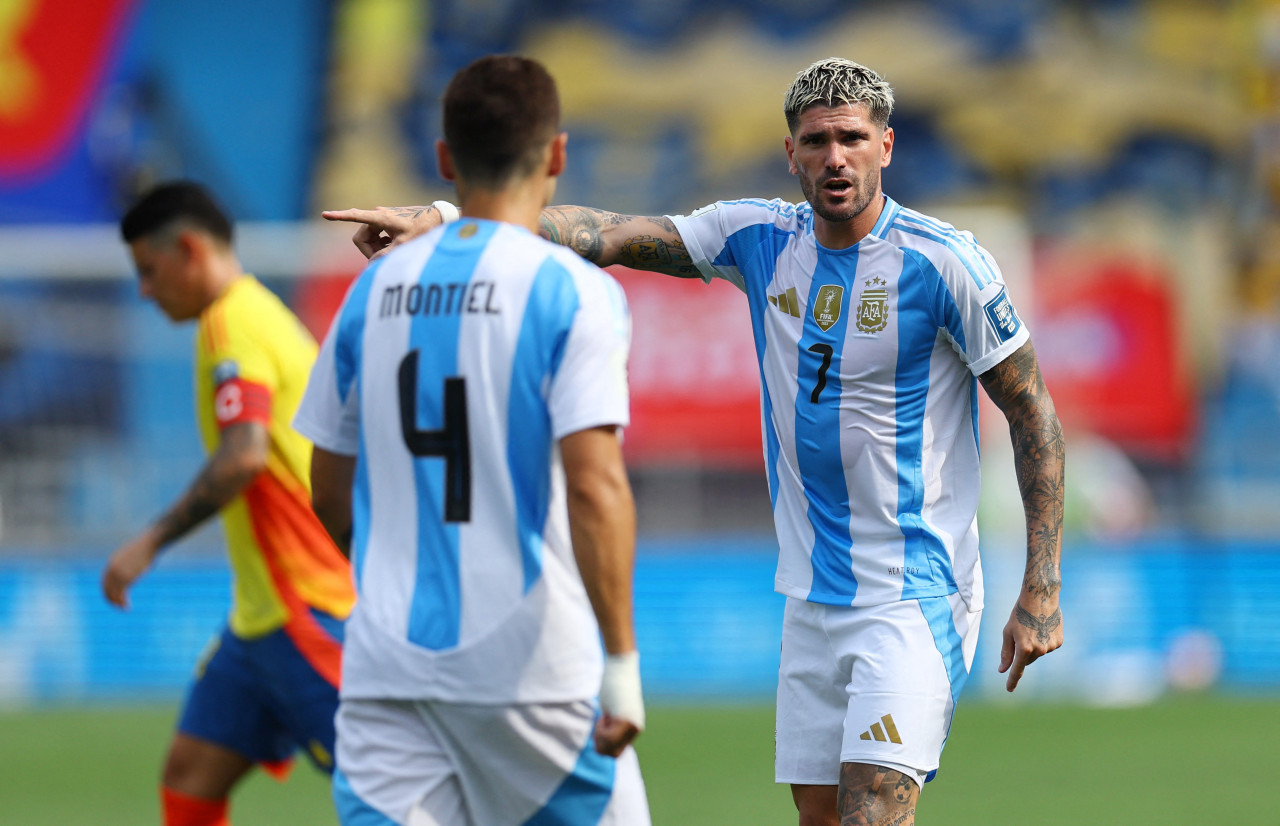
<point x="1035" y="627"/>
<point x="603" y="238"/>
<point x="606" y="238"/>
<point x="241" y="455"/>
<point x="602" y="524"/>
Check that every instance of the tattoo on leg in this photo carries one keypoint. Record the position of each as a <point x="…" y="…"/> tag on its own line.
<point x="1044" y="626"/>
<point x="875" y="796"/>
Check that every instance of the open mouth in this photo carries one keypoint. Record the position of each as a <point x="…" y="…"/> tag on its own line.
<point x="837" y="186"/>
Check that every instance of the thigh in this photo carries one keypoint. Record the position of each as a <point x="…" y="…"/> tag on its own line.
<point x="908" y="665"/>
<point x="392" y="768"/>
<point x="812" y="701"/>
<point x="537" y="763"/>
<point x="303" y="700"/>
<point x="228" y="707"/>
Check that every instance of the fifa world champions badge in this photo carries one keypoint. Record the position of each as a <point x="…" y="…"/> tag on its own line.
<point x="826" y="307"/>
<point x="873" y="307"/>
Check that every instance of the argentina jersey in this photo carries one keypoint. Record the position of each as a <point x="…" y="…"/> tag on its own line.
<point x="869" y="410"/>
<point x="453" y="368"/>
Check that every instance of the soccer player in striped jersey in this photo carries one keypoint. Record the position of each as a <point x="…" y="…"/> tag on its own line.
<point x="269" y="684"/>
<point x="873" y="326"/>
<point x="466" y="408"/>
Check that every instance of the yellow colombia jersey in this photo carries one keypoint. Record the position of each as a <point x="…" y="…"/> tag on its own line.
<point x="253" y="359"/>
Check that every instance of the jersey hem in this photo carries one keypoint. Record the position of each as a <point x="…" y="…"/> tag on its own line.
<point x="854" y="601"/>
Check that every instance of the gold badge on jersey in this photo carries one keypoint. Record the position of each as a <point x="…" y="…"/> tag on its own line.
<point x="826" y="306"/>
<point x="873" y="307"/>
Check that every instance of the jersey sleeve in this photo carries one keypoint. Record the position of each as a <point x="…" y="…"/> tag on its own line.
<point x="589" y="388"/>
<point x="722" y="237"/>
<point x="329" y="414"/>
<point x="239" y="368"/>
<point x="982" y="322"/>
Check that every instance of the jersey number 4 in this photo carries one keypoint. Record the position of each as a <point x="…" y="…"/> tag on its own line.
<point x="450" y="442"/>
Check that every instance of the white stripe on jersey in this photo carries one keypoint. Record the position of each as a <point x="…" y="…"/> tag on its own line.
<point x="452" y="370"/>
<point x="868" y="358"/>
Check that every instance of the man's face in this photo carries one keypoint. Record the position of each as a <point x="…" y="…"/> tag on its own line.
<point x="166" y="275"/>
<point x="837" y="153"/>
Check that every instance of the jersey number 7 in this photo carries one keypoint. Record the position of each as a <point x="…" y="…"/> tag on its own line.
<point x="450" y="442"/>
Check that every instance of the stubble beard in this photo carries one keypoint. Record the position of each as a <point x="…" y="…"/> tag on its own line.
<point x="840" y="215"/>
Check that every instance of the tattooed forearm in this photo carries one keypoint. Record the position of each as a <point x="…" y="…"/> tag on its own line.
<point x="1039" y="454"/>
<point x="224" y="476"/>
<point x="1043" y="625"/>
<point x="872" y="795"/>
<point x="578" y="228"/>
<point x="605" y="238"/>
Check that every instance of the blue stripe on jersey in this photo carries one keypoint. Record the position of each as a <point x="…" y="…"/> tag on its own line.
<point x="346" y="355"/>
<point x="937" y="612"/>
<point x="351" y="810"/>
<point x="745" y="245"/>
<point x="887" y="214"/>
<point x="923" y="302"/>
<point x="583" y="796"/>
<point x="976" y="265"/>
<point x="818" y="454"/>
<point x="544" y="330"/>
<point x="361" y="511"/>
<point x="435" y="615"/>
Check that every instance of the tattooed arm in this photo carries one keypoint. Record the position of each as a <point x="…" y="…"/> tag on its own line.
<point x="241" y="455"/>
<point x="1035" y="626"/>
<point x="606" y="238"/>
<point x="603" y="238"/>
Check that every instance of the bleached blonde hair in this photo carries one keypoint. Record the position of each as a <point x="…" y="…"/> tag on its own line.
<point x="834" y="81"/>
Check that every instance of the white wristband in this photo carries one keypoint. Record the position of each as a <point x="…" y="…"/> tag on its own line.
<point x="620" y="694"/>
<point x="448" y="212"/>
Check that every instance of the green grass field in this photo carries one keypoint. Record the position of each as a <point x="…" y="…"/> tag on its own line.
<point x="1186" y="761"/>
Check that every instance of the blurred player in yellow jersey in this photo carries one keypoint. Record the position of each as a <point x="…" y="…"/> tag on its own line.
<point x="270" y="684"/>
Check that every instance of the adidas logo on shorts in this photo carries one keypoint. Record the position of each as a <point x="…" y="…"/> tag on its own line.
<point x="878" y="733"/>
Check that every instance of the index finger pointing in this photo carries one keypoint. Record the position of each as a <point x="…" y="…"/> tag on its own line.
<point x="362" y="216"/>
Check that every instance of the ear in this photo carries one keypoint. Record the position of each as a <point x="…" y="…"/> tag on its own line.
<point x="558" y="155"/>
<point x="886" y="151"/>
<point x="444" y="162"/>
<point x="791" y="155"/>
<point x="190" y="245"/>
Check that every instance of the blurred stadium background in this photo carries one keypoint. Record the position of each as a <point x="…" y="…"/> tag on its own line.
<point x="1121" y="158"/>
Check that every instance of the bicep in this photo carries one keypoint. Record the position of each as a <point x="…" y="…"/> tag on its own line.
<point x="243" y="446"/>
<point x="332" y="475"/>
<point x="592" y="457"/>
<point x="1016" y="384"/>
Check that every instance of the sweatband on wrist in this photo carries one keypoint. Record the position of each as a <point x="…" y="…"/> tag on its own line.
<point x="448" y="212"/>
<point x="620" y="694"/>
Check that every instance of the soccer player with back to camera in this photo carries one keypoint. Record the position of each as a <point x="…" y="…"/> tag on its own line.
<point x="270" y="682"/>
<point x="873" y="325"/>
<point x="466" y="408"/>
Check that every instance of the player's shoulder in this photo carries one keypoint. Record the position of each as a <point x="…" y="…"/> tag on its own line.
<point x="951" y="250"/>
<point x="757" y="210"/>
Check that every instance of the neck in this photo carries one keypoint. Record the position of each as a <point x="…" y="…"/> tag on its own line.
<point x="519" y="203"/>
<point x="838" y="235"/>
<point x="223" y="272"/>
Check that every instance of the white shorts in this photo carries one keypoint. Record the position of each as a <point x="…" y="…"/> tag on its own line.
<point x="871" y="685"/>
<point x="427" y="763"/>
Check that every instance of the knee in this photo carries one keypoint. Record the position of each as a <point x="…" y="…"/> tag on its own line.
<point x="816" y="805"/>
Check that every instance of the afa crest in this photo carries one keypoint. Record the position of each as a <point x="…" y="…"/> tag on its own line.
<point x="873" y="307"/>
<point x="826" y="306"/>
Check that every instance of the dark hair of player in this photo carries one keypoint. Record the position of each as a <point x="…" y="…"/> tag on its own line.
<point x="500" y="113"/>
<point x="176" y="201"/>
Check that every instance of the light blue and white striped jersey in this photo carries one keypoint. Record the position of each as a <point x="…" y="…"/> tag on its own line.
<point x="868" y="363"/>
<point x="452" y="370"/>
